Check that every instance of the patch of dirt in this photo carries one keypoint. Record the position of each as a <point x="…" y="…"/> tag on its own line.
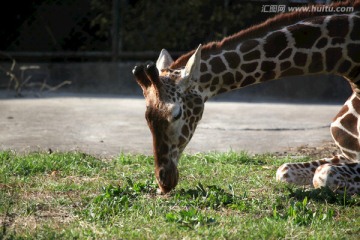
<point x="327" y="149"/>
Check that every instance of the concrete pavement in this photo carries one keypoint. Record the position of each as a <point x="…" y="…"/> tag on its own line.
<point x="106" y="126"/>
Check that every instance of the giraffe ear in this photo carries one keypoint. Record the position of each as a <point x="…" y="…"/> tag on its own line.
<point x="164" y="60"/>
<point x="192" y="68"/>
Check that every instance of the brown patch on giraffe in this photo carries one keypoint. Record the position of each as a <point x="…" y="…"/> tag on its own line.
<point x="267" y="66"/>
<point x="274" y="44"/>
<point x="285" y="54"/>
<point x="345" y="140"/>
<point x="292" y="72"/>
<point x="356" y="104"/>
<point x="228" y="78"/>
<point x="203" y="67"/>
<point x="204" y="57"/>
<point x="189" y="104"/>
<point x="317" y="163"/>
<point x="205" y="78"/>
<point x="215" y="81"/>
<point x="336" y="41"/>
<point x="322" y="42"/>
<point x="307" y="165"/>
<point x="349" y="122"/>
<point x="182" y="140"/>
<point x="197" y="110"/>
<point x="353" y="51"/>
<point x="355" y="34"/>
<point x="316" y="64"/>
<point x="335" y="160"/>
<point x="217" y="65"/>
<point x="285" y="65"/>
<point x="344" y="66"/>
<point x="305" y="36"/>
<point x="248" y="80"/>
<point x="233" y="87"/>
<point x="254" y="55"/>
<point x="249" y="67"/>
<point x="238" y="76"/>
<point x="338" y="26"/>
<point x="300" y="58"/>
<point x="221" y="90"/>
<point x="268" y="76"/>
<point x="233" y="59"/>
<point x="198" y="101"/>
<point x="343" y="110"/>
<point x="191" y="120"/>
<point x="322" y="162"/>
<point x="185" y="131"/>
<point x="332" y="56"/>
<point x="349" y="155"/>
<point x="353" y="74"/>
<point x="248" y="45"/>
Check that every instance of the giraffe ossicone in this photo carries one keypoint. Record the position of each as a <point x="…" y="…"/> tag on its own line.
<point x="191" y="72"/>
<point x="291" y="44"/>
<point x="164" y="61"/>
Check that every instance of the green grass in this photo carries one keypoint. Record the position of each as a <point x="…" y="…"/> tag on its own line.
<point x="220" y="196"/>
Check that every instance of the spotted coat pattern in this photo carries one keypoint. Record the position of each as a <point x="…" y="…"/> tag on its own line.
<point x="175" y="95"/>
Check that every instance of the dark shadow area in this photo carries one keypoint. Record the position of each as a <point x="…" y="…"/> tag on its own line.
<point x="324" y="195"/>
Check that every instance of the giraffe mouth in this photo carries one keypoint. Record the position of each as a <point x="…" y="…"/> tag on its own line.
<point x="167" y="177"/>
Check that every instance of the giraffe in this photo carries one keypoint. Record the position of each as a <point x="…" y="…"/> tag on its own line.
<point x="290" y="44"/>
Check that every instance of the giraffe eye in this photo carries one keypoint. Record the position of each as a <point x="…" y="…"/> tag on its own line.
<point x="177" y="113"/>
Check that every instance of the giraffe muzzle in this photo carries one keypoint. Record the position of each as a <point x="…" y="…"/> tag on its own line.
<point x="167" y="177"/>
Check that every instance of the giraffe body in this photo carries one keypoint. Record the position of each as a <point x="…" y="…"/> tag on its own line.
<point x="288" y="45"/>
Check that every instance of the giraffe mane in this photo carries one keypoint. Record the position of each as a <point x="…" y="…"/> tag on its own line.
<point x="271" y="24"/>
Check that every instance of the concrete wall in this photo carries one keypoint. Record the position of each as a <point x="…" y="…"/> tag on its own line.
<point x="116" y="78"/>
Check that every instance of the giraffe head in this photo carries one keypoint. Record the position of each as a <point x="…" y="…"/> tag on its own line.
<point x="173" y="109"/>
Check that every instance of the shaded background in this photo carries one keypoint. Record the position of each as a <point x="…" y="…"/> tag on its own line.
<point x="94" y="44"/>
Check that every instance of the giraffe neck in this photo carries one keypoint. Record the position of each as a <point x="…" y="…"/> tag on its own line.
<point x="318" y="45"/>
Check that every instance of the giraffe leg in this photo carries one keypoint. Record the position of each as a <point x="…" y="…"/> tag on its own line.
<point x="303" y="173"/>
<point x="344" y="176"/>
<point x="340" y="173"/>
<point x="339" y="178"/>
